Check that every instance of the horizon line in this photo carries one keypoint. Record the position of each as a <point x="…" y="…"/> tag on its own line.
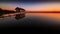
<point x="42" y="11"/>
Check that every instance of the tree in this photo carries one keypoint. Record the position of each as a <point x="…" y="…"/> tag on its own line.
<point x="1" y="11"/>
<point x="0" y="8"/>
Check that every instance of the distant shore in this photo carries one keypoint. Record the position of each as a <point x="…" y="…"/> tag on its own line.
<point x="9" y="12"/>
<point x="42" y="11"/>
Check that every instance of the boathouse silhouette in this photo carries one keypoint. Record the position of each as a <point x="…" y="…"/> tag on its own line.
<point x="19" y="9"/>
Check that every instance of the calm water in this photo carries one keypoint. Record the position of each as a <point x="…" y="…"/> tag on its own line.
<point x="31" y="18"/>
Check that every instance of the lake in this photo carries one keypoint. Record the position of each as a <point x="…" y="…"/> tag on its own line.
<point x="30" y="21"/>
<point x="31" y="18"/>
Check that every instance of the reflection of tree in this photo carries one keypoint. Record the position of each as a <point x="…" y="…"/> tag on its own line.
<point x="19" y="16"/>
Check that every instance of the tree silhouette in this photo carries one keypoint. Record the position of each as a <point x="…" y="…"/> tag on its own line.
<point x="0" y="8"/>
<point x="1" y="11"/>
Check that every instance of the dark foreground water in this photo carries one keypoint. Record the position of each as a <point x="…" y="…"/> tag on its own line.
<point x="30" y="22"/>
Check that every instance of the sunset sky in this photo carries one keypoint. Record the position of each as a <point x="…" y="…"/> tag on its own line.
<point x="31" y="6"/>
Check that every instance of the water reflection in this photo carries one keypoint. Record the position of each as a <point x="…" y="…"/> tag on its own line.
<point x="19" y="16"/>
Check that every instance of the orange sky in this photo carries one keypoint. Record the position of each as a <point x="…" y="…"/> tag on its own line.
<point x="50" y="6"/>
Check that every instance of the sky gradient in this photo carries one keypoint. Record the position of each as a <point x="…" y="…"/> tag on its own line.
<point x="31" y="6"/>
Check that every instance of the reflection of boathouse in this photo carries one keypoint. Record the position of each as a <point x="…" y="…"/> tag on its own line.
<point x="19" y="16"/>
